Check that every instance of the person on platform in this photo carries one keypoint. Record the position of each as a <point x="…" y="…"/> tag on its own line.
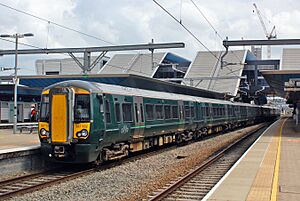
<point x="33" y="114"/>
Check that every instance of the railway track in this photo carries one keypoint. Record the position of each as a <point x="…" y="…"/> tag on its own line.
<point x="196" y="184"/>
<point x="29" y="183"/>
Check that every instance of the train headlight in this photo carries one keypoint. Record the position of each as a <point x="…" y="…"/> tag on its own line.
<point x="44" y="133"/>
<point x="78" y="134"/>
<point x="84" y="133"/>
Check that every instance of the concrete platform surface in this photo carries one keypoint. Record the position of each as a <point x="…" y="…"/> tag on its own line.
<point x="10" y="141"/>
<point x="269" y="170"/>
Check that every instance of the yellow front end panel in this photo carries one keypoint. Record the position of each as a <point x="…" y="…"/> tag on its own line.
<point x="59" y="118"/>
<point x="79" y="127"/>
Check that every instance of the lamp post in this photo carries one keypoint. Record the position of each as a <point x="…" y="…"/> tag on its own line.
<point x="16" y="81"/>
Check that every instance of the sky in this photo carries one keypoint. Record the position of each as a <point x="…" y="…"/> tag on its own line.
<point x="121" y="22"/>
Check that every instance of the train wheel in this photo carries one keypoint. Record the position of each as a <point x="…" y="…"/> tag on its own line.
<point x="99" y="160"/>
<point x="179" y="139"/>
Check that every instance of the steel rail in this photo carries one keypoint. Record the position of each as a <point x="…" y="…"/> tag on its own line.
<point x="173" y="187"/>
<point x="27" y="183"/>
<point x="16" y="186"/>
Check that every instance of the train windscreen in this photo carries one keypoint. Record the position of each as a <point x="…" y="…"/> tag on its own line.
<point x="82" y="108"/>
<point x="44" y="113"/>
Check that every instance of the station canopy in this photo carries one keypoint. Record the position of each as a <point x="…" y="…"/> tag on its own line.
<point x="285" y="83"/>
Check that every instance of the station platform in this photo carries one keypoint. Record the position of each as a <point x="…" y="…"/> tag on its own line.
<point x="269" y="170"/>
<point x="10" y="142"/>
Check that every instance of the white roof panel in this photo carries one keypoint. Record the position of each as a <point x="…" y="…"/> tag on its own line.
<point x="138" y="64"/>
<point x="290" y="59"/>
<point x="208" y="65"/>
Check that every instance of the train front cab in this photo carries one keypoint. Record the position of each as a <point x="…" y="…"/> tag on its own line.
<point x="65" y="125"/>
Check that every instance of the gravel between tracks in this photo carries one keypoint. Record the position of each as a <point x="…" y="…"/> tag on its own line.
<point x="134" y="180"/>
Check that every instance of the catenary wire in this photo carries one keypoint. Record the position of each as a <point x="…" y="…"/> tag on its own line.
<point x="60" y="25"/>
<point x="211" y="25"/>
<point x="189" y="31"/>
<point x="55" y="23"/>
<point x="193" y="35"/>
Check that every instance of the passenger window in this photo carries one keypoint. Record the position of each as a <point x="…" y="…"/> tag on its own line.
<point x="193" y="111"/>
<point x="127" y="112"/>
<point x="175" y="112"/>
<point x="118" y="112"/>
<point x="149" y="112"/>
<point x="167" y="112"/>
<point x="107" y="111"/>
<point x="187" y="111"/>
<point x="159" y="112"/>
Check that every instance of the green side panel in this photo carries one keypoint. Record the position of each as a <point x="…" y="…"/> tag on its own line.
<point x="118" y="131"/>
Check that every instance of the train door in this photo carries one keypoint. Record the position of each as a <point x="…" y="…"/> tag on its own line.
<point x="139" y="118"/>
<point x="210" y="113"/>
<point x="181" y="115"/>
<point x="60" y="111"/>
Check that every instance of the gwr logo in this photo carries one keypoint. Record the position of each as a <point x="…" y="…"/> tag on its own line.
<point x="124" y="129"/>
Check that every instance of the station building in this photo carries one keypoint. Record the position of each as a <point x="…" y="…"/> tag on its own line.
<point x="28" y="97"/>
<point x="65" y="66"/>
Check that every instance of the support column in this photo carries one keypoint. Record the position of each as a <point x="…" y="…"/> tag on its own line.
<point x="255" y="76"/>
<point x="86" y="61"/>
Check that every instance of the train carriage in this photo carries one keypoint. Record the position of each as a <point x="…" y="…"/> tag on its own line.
<point x="82" y="122"/>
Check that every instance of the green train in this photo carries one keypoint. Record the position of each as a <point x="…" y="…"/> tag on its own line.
<point x="83" y="122"/>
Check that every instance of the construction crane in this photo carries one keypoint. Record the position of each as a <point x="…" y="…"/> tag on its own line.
<point x="269" y="36"/>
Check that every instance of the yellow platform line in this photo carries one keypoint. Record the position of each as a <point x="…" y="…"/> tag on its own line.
<point x="277" y="163"/>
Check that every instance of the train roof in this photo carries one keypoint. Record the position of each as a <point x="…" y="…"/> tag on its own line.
<point x="94" y="87"/>
<point x="128" y="80"/>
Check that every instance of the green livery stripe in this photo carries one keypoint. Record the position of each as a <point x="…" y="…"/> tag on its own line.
<point x="137" y="127"/>
<point x="110" y="130"/>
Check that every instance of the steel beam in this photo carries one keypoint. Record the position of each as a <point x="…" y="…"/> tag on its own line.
<point x="76" y="60"/>
<point x="203" y="78"/>
<point x="149" y="46"/>
<point x="98" y="58"/>
<point x="227" y="43"/>
<point x="263" y="62"/>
